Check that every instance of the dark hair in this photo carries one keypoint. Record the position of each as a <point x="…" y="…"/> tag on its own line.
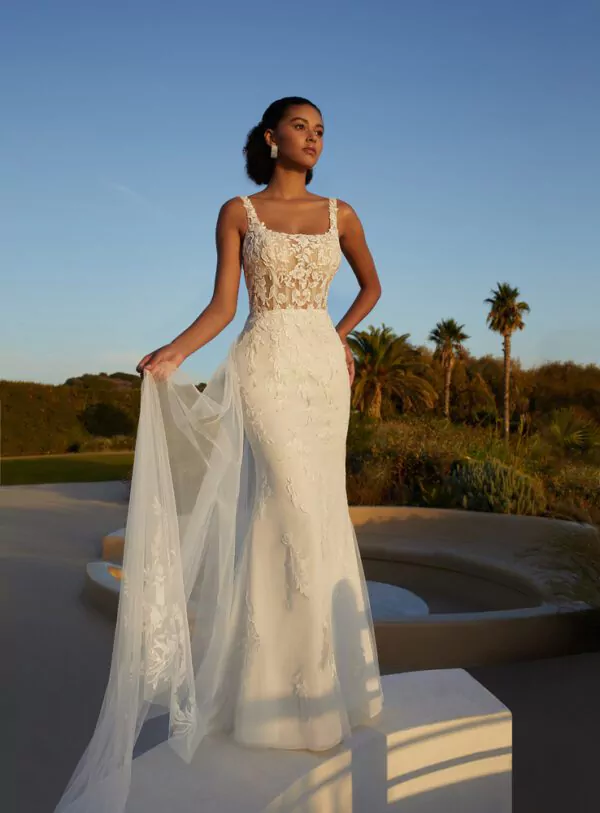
<point x="259" y="164"/>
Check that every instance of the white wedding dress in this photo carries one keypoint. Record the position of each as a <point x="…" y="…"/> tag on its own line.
<point x="244" y="606"/>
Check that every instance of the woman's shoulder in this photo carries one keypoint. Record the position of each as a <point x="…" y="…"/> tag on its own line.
<point x="233" y="214"/>
<point x="233" y="203"/>
<point x="341" y="204"/>
<point x="233" y="207"/>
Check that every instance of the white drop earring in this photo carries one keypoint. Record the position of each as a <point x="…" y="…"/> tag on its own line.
<point x="273" y="150"/>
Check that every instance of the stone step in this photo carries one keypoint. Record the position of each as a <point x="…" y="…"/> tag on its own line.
<point x="442" y="744"/>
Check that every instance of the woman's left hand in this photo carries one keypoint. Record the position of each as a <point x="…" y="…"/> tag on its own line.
<point x="161" y="363"/>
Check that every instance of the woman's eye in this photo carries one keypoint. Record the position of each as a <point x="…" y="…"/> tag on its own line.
<point x="319" y="132"/>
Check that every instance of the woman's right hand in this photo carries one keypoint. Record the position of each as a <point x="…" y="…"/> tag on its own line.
<point x="161" y="363"/>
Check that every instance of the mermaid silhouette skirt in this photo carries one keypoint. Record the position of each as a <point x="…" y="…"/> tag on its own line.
<point x="307" y="668"/>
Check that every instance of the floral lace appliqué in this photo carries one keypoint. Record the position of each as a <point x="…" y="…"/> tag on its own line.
<point x="165" y="631"/>
<point x="289" y="270"/>
<point x="301" y="693"/>
<point x="295" y="570"/>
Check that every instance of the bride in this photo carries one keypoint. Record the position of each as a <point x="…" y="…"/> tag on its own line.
<point x="244" y="607"/>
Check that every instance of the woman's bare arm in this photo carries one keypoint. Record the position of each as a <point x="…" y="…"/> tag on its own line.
<point x="222" y="307"/>
<point x="355" y="249"/>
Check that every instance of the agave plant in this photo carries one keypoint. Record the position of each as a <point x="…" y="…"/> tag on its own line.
<point x="387" y="369"/>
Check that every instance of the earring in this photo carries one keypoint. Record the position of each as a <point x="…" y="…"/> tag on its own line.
<point x="273" y="150"/>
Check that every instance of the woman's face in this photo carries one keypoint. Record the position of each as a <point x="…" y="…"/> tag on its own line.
<point x="299" y="135"/>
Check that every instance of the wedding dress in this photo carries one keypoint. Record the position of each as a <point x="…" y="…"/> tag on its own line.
<point x="244" y="606"/>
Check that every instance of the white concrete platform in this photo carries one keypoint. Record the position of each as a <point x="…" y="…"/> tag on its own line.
<point x="443" y="744"/>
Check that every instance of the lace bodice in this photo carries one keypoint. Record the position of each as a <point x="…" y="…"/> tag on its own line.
<point x="289" y="270"/>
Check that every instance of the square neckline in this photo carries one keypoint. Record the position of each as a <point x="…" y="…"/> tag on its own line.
<point x="332" y="222"/>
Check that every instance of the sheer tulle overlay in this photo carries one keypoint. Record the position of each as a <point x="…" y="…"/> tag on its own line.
<point x="244" y="607"/>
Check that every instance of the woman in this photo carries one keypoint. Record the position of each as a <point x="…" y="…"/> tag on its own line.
<point x="243" y="605"/>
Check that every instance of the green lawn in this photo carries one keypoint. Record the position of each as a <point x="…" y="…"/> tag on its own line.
<point x="66" y="468"/>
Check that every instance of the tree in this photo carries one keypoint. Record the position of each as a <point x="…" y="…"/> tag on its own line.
<point x="473" y="400"/>
<point x="387" y="368"/>
<point x="448" y="337"/>
<point x="506" y="316"/>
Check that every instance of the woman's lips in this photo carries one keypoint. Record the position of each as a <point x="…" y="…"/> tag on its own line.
<point x="310" y="150"/>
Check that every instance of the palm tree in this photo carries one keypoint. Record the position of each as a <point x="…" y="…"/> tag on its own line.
<point x="506" y="316"/>
<point x="448" y="337"/>
<point x="387" y="367"/>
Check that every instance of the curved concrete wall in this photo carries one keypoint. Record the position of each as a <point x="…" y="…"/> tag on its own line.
<point x="502" y="560"/>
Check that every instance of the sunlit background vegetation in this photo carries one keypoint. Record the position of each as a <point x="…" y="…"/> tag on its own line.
<point x="431" y="425"/>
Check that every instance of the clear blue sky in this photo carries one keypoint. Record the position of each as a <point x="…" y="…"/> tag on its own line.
<point x="464" y="133"/>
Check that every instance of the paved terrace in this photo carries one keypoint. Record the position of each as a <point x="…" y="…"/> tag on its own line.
<point x="58" y="650"/>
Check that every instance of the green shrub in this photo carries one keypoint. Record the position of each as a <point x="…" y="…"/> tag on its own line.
<point x="493" y="486"/>
<point x="574" y="492"/>
<point x="571" y="433"/>
<point x="41" y="419"/>
<point x="360" y="442"/>
<point x="370" y="483"/>
<point x="103" y="444"/>
<point x="422" y="459"/>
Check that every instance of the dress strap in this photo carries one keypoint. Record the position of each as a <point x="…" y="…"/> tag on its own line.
<point x="250" y="211"/>
<point x="333" y="214"/>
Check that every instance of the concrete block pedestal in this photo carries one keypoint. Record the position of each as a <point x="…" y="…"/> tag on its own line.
<point x="442" y="744"/>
